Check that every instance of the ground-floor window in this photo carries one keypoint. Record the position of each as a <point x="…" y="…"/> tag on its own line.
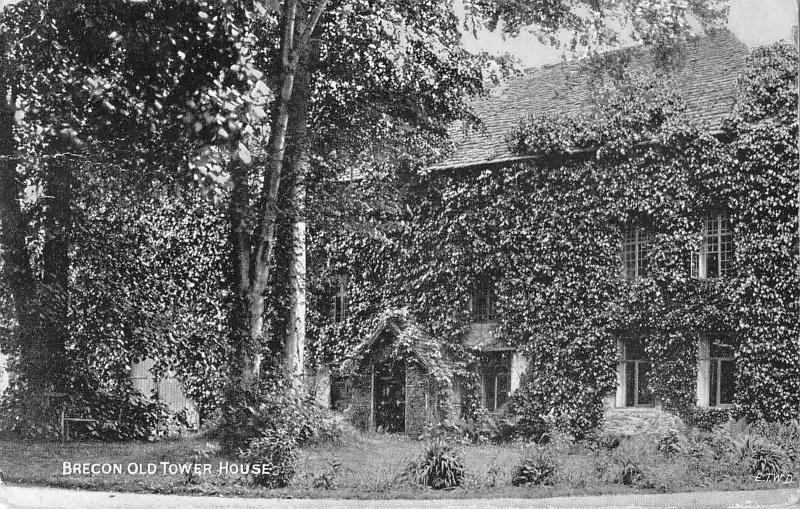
<point x="721" y="373"/>
<point x="495" y="368"/>
<point x="635" y="372"/>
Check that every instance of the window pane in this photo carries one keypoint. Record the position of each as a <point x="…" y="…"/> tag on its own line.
<point x="712" y="265"/>
<point x="503" y="387"/>
<point x="634" y="350"/>
<point x="726" y="254"/>
<point x="713" y="379"/>
<point x="630" y="384"/>
<point x="644" y="397"/>
<point x="644" y="260"/>
<point x="488" y="392"/>
<point x="495" y="372"/>
<point x="720" y="348"/>
<point x="726" y="382"/>
<point x="337" y="314"/>
<point x="483" y="302"/>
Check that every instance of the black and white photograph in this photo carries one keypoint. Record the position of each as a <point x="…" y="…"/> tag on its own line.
<point x="411" y="254"/>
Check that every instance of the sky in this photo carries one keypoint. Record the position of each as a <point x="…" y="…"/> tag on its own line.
<point x="754" y="22"/>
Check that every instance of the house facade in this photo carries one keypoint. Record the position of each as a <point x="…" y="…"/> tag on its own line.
<point x="699" y="357"/>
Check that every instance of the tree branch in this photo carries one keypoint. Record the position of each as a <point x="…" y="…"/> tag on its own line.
<point x="319" y="8"/>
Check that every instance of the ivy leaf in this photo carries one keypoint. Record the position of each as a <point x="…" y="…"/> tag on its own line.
<point x="244" y="154"/>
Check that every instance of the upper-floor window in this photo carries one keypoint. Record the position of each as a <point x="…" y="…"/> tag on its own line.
<point x="483" y="301"/>
<point x="715" y="258"/>
<point x="721" y="381"/>
<point x="636" y="253"/>
<point x="340" y="299"/>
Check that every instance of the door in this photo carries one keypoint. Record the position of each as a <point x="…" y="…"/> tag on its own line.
<point x="390" y="397"/>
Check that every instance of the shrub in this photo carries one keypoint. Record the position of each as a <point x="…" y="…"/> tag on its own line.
<point x="628" y="463"/>
<point x="538" y="467"/>
<point x="605" y="440"/>
<point x="671" y="444"/>
<point x="484" y="428"/>
<point x="121" y="415"/>
<point x="784" y="435"/>
<point x="768" y="461"/>
<point x="276" y="451"/>
<point x="706" y="419"/>
<point x="327" y="478"/>
<point x="268" y="424"/>
<point x="199" y="455"/>
<point x="757" y="455"/>
<point x="440" y="466"/>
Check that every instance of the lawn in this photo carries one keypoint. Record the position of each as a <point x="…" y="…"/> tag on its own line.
<point x="364" y="466"/>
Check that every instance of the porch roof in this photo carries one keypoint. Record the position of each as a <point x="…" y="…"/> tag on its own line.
<point x="409" y="339"/>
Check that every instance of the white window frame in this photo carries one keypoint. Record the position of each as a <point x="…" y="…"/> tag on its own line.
<point x="717" y="239"/>
<point x="704" y="362"/>
<point x="622" y="387"/>
<point x="636" y="244"/>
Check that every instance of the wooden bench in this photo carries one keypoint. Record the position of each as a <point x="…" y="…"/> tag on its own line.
<point x="49" y="398"/>
<point x="66" y="420"/>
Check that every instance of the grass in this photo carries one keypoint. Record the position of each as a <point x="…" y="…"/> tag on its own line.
<point x="363" y="467"/>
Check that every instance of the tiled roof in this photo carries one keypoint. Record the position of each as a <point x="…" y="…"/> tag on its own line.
<point x="707" y="80"/>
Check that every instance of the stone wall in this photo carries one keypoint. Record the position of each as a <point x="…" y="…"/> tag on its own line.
<point x="639" y="421"/>
<point x="420" y="401"/>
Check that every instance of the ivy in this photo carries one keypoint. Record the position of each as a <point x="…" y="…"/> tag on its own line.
<point x="549" y="233"/>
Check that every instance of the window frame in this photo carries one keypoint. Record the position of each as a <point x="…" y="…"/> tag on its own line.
<point x="340" y="298"/>
<point x="715" y="362"/>
<point x="723" y="248"/>
<point x="492" y="376"/>
<point x="636" y="245"/>
<point x="623" y="369"/>
<point x="486" y="288"/>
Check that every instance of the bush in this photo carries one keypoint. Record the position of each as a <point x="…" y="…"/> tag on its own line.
<point x="440" y="467"/>
<point x="538" y="467"/>
<point x="268" y="425"/>
<point x="605" y="440"/>
<point x="784" y="435"/>
<point x="758" y="456"/>
<point x="628" y="463"/>
<point x="327" y="478"/>
<point x="485" y="428"/>
<point x="121" y="415"/>
<point x="671" y="444"/>
<point x="275" y="450"/>
<point x="706" y="419"/>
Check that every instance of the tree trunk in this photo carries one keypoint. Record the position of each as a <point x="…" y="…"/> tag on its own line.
<point x="245" y="367"/>
<point x="54" y="298"/>
<point x="297" y="162"/>
<point x="250" y="282"/>
<point x="16" y="258"/>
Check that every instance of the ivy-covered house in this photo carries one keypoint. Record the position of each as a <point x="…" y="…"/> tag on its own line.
<point x="597" y="252"/>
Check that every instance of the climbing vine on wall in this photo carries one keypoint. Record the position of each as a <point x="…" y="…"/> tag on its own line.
<point x="549" y="233"/>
